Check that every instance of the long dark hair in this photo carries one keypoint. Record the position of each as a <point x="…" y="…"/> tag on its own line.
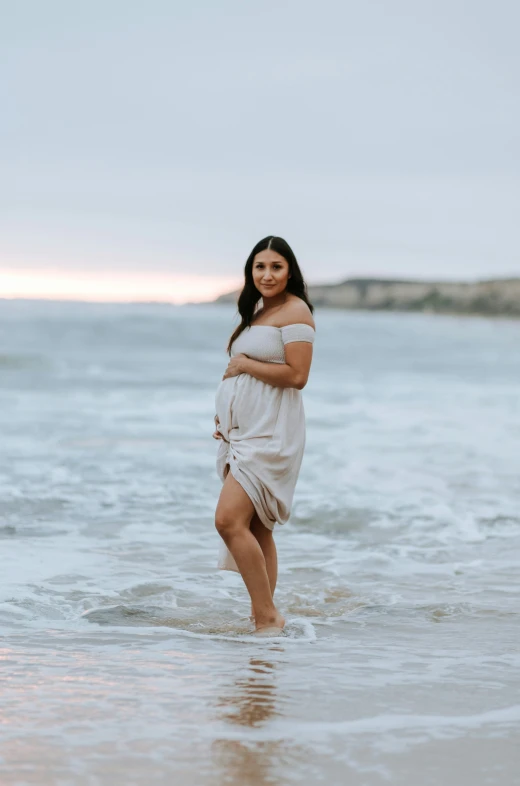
<point x="250" y="295"/>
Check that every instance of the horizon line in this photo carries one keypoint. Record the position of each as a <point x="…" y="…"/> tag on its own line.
<point x="216" y="289"/>
<point x="162" y="287"/>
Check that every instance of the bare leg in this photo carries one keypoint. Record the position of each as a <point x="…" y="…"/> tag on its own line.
<point x="265" y="538"/>
<point x="232" y="520"/>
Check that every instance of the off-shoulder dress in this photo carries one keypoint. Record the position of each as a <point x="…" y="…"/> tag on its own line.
<point x="262" y="428"/>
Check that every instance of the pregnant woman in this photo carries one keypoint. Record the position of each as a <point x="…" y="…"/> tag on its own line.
<point x="260" y="421"/>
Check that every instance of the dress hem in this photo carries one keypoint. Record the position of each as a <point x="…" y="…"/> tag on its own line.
<point x="226" y="560"/>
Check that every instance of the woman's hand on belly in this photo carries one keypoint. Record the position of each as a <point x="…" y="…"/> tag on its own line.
<point x="235" y="366"/>
<point x="216" y="434"/>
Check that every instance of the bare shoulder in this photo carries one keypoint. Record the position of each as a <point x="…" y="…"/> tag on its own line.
<point x="294" y="311"/>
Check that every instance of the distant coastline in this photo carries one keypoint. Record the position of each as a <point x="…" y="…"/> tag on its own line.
<point x="494" y="297"/>
<point x="490" y="297"/>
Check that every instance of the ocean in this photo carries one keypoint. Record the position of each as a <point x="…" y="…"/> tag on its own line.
<point x="126" y="656"/>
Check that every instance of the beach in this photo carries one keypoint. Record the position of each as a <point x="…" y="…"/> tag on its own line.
<point x="127" y="656"/>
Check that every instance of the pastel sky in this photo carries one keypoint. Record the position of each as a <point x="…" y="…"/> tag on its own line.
<point x="146" y="147"/>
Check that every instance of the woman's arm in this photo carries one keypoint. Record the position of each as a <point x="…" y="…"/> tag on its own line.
<point x="291" y="374"/>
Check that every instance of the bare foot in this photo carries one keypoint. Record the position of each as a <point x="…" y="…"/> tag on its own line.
<point x="273" y="626"/>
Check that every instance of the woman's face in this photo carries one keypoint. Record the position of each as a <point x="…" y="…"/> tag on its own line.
<point x="270" y="273"/>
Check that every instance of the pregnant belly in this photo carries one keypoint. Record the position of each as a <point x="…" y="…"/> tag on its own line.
<point x="247" y="406"/>
<point x="225" y="404"/>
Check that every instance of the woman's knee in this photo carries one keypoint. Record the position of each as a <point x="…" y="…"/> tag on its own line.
<point x="226" y="525"/>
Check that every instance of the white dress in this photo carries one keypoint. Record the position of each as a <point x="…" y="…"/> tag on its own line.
<point x="263" y="428"/>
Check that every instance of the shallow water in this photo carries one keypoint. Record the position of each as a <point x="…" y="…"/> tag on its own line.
<point x="127" y="657"/>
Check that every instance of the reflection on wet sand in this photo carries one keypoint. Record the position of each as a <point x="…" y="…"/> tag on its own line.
<point x="253" y="699"/>
<point x="251" y="702"/>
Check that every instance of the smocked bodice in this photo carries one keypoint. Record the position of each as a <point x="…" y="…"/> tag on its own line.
<point x="266" y="342"/>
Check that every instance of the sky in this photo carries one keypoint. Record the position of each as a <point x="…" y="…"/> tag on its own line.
<point x="146" y="147"/>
